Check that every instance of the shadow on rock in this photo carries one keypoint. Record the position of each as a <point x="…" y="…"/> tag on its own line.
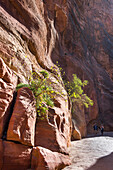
<point x="104" y="163"/>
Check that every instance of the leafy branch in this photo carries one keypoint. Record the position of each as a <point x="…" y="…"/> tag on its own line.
<point x="43" y="92"/>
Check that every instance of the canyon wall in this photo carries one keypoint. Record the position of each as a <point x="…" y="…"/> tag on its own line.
<point x="27" y="39"/>
<point x="34" y="35"/>
<point x="84" y="47"/>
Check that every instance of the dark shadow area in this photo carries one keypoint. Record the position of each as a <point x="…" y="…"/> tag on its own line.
<point x="9" y="114"/>
<point x="109" y="134"/>
<point x="104" y="163"/>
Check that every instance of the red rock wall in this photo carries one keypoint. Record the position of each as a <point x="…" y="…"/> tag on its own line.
<point x="33" y="36"/>
<point x="84" y="47"/>
<point x="27" y="39"/>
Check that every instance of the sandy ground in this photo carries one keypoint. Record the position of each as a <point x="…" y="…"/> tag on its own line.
<point x="92" y="153"/>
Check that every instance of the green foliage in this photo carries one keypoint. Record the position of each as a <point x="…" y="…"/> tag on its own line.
<point x="21" y="85"/>
<point x="44" y="93"/>
<point x="75" y="89"/>
<point x="76" y="93"/>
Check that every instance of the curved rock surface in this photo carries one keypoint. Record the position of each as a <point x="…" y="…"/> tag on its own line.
<point x="22" y="123"/>
<point x="33" y="36"/>
<point x="42" y="158"/>
<point x="84" y="47"/>
<point x="8" y="82"/>
<point x="27" y="39"/>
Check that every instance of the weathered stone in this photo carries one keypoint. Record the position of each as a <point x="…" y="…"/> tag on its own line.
<point x="78" y="34"/>
<point x="22" y="123"/>
<point x="8" y="83"/>
<point x="76" y="135"/>
<point x="43" y="159"/>
<point x="16" y="156"/>
<point x="54" y="132"/>
<point x="61" y="19"/>
<point x="85" y="48"/>
<point x="27" y="40"/>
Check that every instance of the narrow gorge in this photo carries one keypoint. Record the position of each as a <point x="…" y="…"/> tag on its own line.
<point x="35" y="35"/>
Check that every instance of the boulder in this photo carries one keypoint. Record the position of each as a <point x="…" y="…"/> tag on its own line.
<point x="22" y="123"/>
<point x="43" y="159"/>
<point x="16" y="156"/>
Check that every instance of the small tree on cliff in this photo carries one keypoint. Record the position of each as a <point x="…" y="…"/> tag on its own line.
<point x="42" y="90"/>
<point x="76" y="93"/>
<point x="45" y="94"/>
<point x="75" y="90"/>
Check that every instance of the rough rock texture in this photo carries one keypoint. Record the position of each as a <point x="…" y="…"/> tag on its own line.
<point x="22" y="123"/>
<point x="45" y="159"/>
<point x="16" y="156"/>
<point x="52" y="133"/>
<point x="84" y="47"/>
<point x="34" y="35"/>
<point x="8" y="82"/>
<point x="27" y="39"/>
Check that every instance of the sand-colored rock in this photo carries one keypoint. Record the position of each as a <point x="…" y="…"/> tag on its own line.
<point x="16" y="156"/>
<point x="8" y="83"/>
<point x="43" y="159"/>
<point x="22" y="123"/>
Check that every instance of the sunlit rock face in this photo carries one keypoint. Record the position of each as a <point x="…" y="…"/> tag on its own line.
<point x="84" y="47"/>
<point x="8" y="82"/>
<point x="33" y="36"/>
<point x="27" y="39"/>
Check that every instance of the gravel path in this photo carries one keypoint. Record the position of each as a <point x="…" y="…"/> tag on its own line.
<point x="92" y="153"/>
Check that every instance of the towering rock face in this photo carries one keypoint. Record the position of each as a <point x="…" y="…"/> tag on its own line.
<point x="33" y="36"/>
<point x="27" y="39"/>
<point x="84" y="47"/>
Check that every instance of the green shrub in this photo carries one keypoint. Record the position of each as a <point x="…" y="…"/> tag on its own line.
<point x="75" y="89"/>
<point x="76" y="93"/>
<point x="44" y="93"/>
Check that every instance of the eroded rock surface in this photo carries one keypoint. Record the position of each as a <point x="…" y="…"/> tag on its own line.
<point x="33" y="35"/>
<point x="16" y="156"/>
<point x="27" y="39"/>
<point x="42" y="158"/>
<point x="52" y="133"/>
<point x="8" y="82"/>
<point x="22" y="123"/>
<point x="85" y="48"/>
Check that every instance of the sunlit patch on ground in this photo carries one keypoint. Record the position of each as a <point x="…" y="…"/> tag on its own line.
<point x="92" y="153"/>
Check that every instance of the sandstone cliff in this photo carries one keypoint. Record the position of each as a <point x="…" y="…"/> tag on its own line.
<point x="27" y="39"/>
<point x="33" y="36"/>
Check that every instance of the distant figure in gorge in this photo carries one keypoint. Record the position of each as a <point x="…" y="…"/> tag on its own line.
<point x="95" y="127"/>
<point x="102" y="129"/>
